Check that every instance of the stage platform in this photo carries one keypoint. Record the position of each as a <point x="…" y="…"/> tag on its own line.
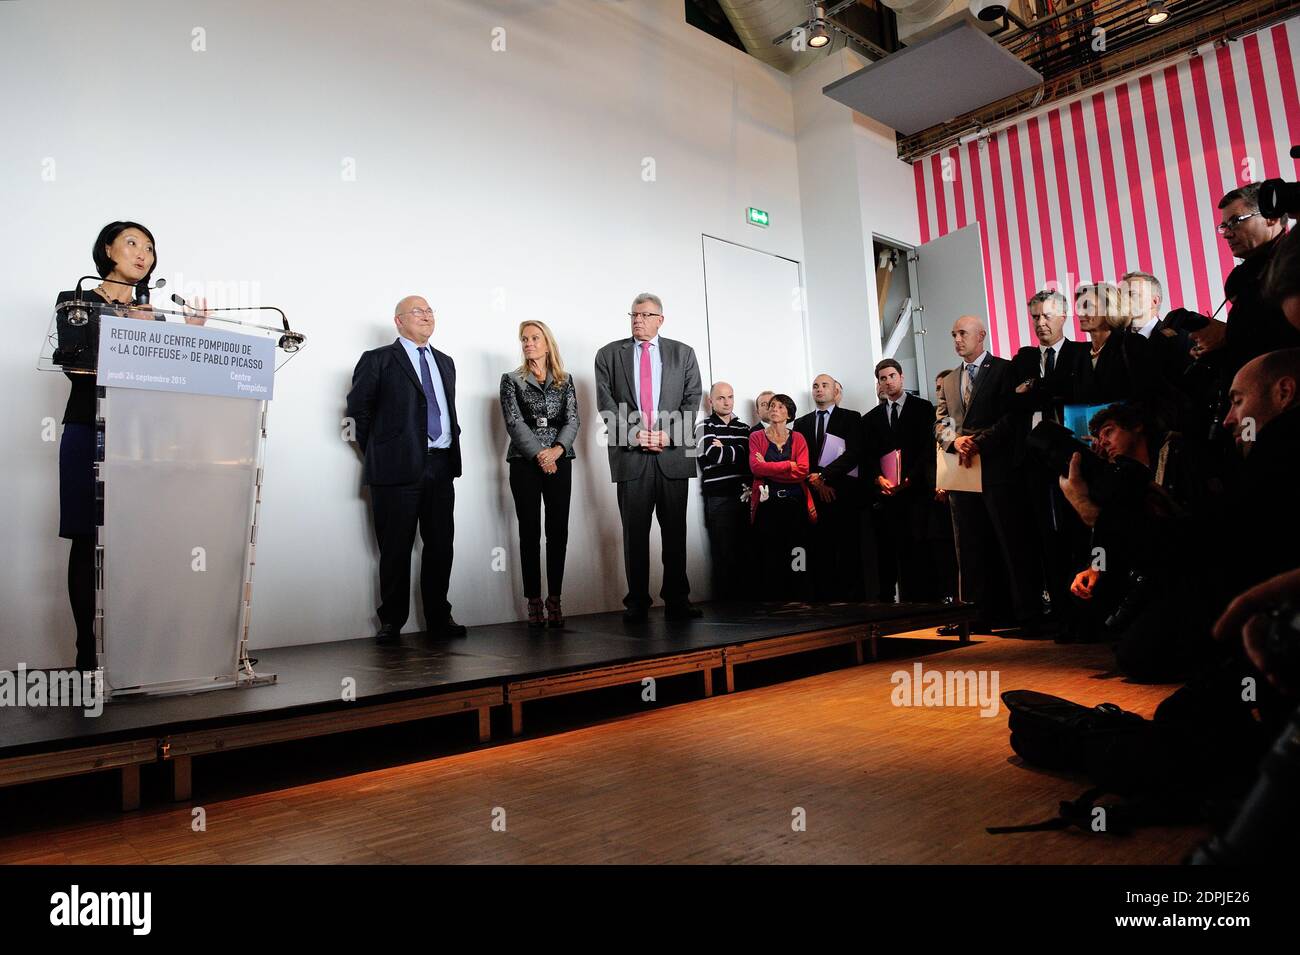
<point x="347" y="685"/>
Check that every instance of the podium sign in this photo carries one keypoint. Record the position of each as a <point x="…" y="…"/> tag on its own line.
<point x="184" y="419"/>
<point x="161" y="356"/>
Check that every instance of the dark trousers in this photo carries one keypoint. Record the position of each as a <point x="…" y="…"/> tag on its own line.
<point x="902" y="548"/>
<point x="997" y="515"/>
<point x="1062" y="540"/>
<point x="726" y="517"/>
<point x="781" y="525"/>
<point x="532" y="488"/>
<point x="868" y="538"/>
<point x="835" y="549"/>
<point x="81" y="595"/>
<point x="942" y="550"/>
<point x="654" y="495"/>
<point x="398" y="509"/>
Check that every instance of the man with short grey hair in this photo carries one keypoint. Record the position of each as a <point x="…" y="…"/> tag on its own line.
<point x="1141" y="295"/>
<point x="648" y="391"/>
<point x="1045" y="381"/>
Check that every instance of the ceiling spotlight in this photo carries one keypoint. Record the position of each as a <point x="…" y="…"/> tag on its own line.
<point x="818" y="35"/>
<point x="1157" y="12"/>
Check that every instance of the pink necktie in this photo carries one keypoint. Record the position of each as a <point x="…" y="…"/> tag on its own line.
<point x="647" y="388"/>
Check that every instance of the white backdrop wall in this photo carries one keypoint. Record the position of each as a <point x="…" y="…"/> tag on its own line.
<point x="852" y="186"/>
<point x="552" y="179"/>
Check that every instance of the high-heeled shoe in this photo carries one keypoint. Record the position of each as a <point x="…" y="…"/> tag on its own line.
<point x="554" y="616"/>
<point x="535" y="618"/>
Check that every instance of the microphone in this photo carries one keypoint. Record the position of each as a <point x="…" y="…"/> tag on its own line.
<point x="290" y="341"/>
<point x="77" y="314"/>
<point x="142" y="290"/>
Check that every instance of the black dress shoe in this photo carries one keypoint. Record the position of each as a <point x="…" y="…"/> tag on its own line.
<point x="682" y="612"/>
<point x="388" y="635"/>
<point x="449" y="628"/>
<point x="635" y="614"/>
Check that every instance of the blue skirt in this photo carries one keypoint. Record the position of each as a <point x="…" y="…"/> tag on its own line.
<point x="77" y="511"/>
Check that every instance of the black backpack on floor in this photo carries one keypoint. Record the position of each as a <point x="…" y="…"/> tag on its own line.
<point x="1121" y="753"/>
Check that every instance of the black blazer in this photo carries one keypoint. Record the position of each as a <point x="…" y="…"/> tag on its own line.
<point x="1120" y="372"/>
<point x="845" y="424"/>
<point x="914" y="437"/>
<point x="1045" y="395"/>
<point x="1128" y="369"/>
<point x="390" y="412"/>
<point x="1172" y="348"/>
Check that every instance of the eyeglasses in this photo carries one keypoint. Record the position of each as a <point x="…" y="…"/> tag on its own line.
<point x="420" y="312"/>
<point x="635" y="315"/>
<point x="1223" y="228"/>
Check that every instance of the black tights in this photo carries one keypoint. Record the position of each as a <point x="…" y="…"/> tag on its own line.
<point x="81" y="594"/>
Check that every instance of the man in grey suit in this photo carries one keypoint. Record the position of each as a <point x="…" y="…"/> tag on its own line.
<point x="648" y="392"/>
<point x="973" y="419"/>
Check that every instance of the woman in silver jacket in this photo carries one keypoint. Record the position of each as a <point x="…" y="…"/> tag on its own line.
<point x="540" y="408"/>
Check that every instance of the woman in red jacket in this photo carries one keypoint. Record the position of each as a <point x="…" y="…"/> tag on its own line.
<point x="780" y="503"/>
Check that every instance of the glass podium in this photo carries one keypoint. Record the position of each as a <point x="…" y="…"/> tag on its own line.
<point x="180" y="451"/>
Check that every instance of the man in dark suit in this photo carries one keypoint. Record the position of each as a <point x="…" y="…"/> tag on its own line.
<point x="973" y="419"/>
<point x="904" y="423"/>
<point x="1141" y="295"/>
<point x="1044" y="377"/>
<point x="835" y="552"/>
<point x="403" y="409"/>
<point x="648" y="391"/>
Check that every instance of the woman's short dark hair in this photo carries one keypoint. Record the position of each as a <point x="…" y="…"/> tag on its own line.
<point x="785" y="400"/>
<point x="107" y="236"/>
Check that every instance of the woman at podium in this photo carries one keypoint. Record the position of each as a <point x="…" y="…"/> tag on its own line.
<point x="125" y="257"/>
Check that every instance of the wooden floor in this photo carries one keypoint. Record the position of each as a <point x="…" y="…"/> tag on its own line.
<point x="707" y="781"/>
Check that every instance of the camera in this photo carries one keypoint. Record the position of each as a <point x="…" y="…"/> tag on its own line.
<point x="988" y="10"/>
<point x="1186" y="320"/>
<point x="1278" y="198"/>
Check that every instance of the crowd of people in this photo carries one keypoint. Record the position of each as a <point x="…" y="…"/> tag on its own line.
<point x="1140" y="536"/>
<point x="1129" y="488"/>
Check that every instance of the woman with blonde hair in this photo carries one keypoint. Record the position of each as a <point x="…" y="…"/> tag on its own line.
<point x="1120" y="366"/>
<point x="540" y="408"/>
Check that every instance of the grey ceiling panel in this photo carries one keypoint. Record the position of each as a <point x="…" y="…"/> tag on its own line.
<point x="953" y="71"/>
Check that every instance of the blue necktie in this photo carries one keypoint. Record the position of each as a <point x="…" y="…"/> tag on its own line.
<point x="435" y="410"/>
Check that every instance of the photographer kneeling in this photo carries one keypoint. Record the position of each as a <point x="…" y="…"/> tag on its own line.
<point x="1144" y="588"/>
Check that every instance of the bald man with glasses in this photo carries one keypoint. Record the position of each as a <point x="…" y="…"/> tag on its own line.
<point x="403" y="409"/>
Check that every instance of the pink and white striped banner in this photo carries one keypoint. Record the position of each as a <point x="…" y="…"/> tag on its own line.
<point x="1125" y="178"/>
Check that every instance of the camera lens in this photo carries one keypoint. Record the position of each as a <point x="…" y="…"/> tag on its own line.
<point x="1278" y="198"/>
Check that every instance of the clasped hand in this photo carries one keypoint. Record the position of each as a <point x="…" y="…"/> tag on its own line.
<point x="547" y="457"/>
<point x="654" y="441"/>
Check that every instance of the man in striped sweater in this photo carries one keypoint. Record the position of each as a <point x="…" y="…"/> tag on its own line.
<point x="722" y="446"/>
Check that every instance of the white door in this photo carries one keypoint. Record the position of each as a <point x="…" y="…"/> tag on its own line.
<point x="949" y="284"/>
<point x="758" y="339"/>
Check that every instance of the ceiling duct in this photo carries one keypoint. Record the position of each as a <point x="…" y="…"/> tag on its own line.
<point x="756" y="22"/>
<point x="915" y="16"/>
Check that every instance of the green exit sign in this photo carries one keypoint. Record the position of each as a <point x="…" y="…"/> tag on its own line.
<point x="758" y="217"/>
